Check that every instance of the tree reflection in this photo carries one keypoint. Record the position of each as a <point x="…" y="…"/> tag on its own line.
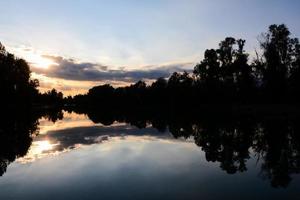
<point x="16" y="132"/>
<point x="278" y="145"/>
<point x="275" y="142"/>
<point x="17" y="129"/>
<point x="230" y="140"/>
<point x="227" y="140"/>
<point x="54" y="114"/>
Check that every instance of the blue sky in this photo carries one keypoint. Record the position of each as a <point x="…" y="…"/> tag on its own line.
<point x="137" y="34"/>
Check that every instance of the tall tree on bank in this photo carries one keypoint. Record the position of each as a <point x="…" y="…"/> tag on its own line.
<point x="16" y="86"/>
<point x="278" y="60"/>
<point x="225" y="74"/>
<point x="294" y="79"/>
<point x="244" y="74"/>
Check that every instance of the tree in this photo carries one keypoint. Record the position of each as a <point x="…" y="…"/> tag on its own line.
<point x="294" y="79"/>
<point x="226" y="55"/>
<point x="243" y="74"/>
<point x="225" y="73"/>
<point x="102" y="94"/>
<point x="16" y="85"/>
<point x="277" y="46"/>
<point x="160" y="83"/>
<point x="208" y="71"/>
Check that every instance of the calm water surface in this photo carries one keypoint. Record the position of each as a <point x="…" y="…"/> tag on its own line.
<point x="75" y="158"/>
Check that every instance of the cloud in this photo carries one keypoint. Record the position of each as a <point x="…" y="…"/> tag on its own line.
<point x="73" y="77"/>
<point x="70" y="69"/>
<point x="70" y="138"/>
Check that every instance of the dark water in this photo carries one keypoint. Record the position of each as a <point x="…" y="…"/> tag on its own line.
<point x="75" y="156"/>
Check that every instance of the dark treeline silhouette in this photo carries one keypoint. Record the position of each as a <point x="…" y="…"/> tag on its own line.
<point x="50" y="98"/>
<point x="15" y="84"/>
<point x="227" y="139"/>
<point x="224" y="76"/>
<point x="17" y="87"/>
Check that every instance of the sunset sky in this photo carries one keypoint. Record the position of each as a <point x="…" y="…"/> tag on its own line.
<point x="73" y="45"/>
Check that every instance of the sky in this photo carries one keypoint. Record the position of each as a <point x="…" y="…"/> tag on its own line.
<point x="73" y="45"/>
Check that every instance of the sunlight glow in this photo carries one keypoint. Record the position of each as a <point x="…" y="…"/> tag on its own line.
<point x="35" y="58"/>
<point x="39" y="149"/>
<point x="39" y="61"/>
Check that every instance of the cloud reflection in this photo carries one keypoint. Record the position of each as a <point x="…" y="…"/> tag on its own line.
<point x="76" y="131"/>
<point x="38" y="149"/>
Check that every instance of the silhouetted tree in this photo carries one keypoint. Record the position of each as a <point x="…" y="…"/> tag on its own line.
<point x="101" y="94"/>
<point x="294" y="79"/>
<point x="51" y="98"/>
<point x="244" y="74"/>
<point x="208" y="71"/>
<point x="278" y="49"/>
<point x="158" y="92"/>
<point x="15" y="84"/>
<point x="224" y="74"/>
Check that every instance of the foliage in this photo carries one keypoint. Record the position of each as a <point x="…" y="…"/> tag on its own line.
<point x="15" y="83"/>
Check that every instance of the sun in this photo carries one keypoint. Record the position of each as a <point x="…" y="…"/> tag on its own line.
<point x="39" y="61"/>
<point x="35" y="58"/>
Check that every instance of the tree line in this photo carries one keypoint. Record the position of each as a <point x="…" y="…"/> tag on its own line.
<point x="224" y="76"/>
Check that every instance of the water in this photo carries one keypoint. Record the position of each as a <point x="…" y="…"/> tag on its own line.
<point x="72" y="157"/>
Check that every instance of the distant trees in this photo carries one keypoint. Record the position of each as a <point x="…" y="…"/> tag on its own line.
<point x="50" y="98"/>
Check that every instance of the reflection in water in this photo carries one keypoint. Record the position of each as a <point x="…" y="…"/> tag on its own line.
<point x="38" y="149"/>
<point x="63" y="138"/>
<point x="231" y="143"/>
<point x="69" y="120"/>
<point x="16" y="131"/>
